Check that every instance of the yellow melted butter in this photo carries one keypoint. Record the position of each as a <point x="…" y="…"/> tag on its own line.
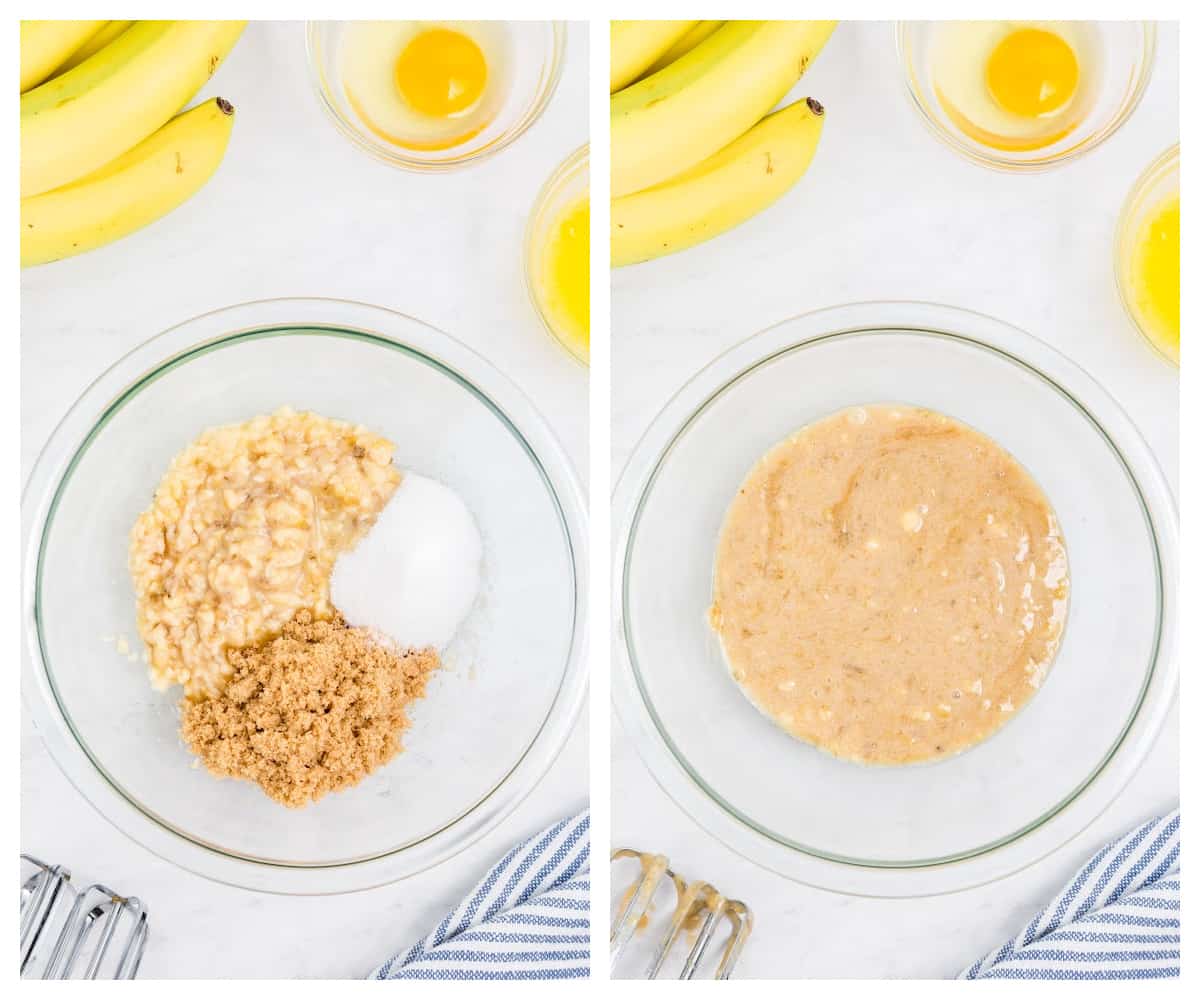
<point x="566" y="278"/>
<point x="1154" y="276"/>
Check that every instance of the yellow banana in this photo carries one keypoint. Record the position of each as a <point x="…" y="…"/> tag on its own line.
<point x="634" y="45"/>
<point x="689" y="41"/>
<point x="77" y="122"/>
<point x="45" y="44"/>
<point x="94" y="44"/>
<point x="718" y="193"/>
<point x="150" y="180"/>
<point x="681" y="115"/>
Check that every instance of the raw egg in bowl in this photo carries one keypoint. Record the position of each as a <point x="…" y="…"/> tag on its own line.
<point x="1025" y="95"/>
<point x="434" y="94"/>
<point x="1015" y="85"/>
<point x="425" y="85"/>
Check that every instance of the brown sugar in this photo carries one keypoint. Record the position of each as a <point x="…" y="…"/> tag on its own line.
<point x="309" y="712"/>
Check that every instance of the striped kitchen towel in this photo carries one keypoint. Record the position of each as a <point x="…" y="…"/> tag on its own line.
<point x="1117" y="919"/>
<point x="526" y="919"/>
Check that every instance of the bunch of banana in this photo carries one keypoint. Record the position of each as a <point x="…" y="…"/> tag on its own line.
<point x="104" y="150"/>
<point x="46" y="45"/>
<point x="93" y="45"/>
<point x="635" y="45"/>
<point x="695" y="150"/>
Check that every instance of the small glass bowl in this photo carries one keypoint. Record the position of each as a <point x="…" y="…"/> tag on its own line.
<point x="537" y="59"/>
<point x="568" y="183"/>
<point x="1126" y="58"/>
<point x="1157" y="181"/>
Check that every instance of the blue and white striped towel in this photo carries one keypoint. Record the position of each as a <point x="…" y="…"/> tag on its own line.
<point x="1117" y="919"/>
<point x="526" y="919"/>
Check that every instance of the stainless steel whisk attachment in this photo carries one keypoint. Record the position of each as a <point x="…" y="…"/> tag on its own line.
<point x="699" y="908"/>
<point x="93" y="933"/>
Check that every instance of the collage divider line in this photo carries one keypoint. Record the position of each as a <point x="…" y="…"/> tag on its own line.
<point x="599" y="493"/>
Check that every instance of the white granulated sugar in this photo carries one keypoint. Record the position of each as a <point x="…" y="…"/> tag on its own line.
<point x="415" y="575"/>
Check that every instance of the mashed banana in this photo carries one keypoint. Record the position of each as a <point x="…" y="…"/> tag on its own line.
<point x="243" y="534"/>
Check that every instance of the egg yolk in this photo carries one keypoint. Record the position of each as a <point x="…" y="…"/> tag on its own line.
<point x="441" y="73"/>
<point x="1032" y="73"/>
<point x="1155" y="277"/>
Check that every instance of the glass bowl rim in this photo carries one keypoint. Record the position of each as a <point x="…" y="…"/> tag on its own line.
<point x="579" y="159"/>
<point x="997" y="160"/>
<point x="1035" y="840"/>
<point x="199" y="336"/>
<point x="1158" y="168"/>
<point x="549" y="85"/>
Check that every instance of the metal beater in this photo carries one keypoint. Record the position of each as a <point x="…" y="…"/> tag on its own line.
<point x="698" y="907"/>
<point x="66" y="933"/>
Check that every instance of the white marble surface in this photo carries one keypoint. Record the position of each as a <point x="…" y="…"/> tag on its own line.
<point x="885" y="212"/>
<point x="296" y="210"/>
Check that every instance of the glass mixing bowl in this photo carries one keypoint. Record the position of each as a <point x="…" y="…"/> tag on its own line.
<point x="913" y="830"/>
<point x="1123" y="63"/>
<point x="493" y="719"/>
<point x="537" y="49"/>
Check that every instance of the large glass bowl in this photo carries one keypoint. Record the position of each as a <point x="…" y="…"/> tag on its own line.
<point x="896" y="831"/>
<point x="537" y="49"/>
<point x="493" y="720"/>
<point x="1123" y="63"/>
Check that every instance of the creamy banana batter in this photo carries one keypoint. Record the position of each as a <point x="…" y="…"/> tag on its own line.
<point x="890" y="585"/>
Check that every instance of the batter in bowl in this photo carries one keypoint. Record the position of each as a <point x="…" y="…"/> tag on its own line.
<point x="890" y="585"/>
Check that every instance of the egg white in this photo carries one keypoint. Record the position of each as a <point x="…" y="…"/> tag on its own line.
<point x="960" y="54"/>
<point x="368" y="54"/>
